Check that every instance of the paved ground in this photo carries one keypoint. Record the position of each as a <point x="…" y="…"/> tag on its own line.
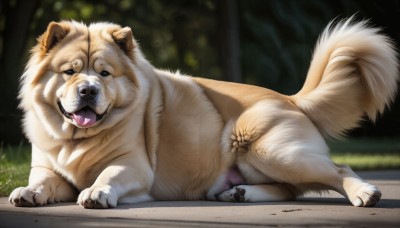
<point x="331" y="210"/>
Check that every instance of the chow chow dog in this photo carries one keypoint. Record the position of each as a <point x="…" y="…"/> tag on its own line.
<point x="107" y="128"/>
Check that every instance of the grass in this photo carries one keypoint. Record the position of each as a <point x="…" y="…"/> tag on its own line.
<point x="14" y="168"/>
<point x="358" y="161"/>
<point x="367" y="154"/>
<point x="360" y="154"/>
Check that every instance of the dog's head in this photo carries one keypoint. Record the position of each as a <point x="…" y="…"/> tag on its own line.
<point x="81" y="77"/>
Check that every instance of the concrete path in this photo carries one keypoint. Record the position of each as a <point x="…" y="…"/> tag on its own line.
<point x="331" y="210"/>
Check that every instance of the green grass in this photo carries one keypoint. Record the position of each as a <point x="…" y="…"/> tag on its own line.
<point x="359" y="161"/>
<point x="367" y="154"/>
<point x="14" y="168"/>
<point x="360" y="154"/>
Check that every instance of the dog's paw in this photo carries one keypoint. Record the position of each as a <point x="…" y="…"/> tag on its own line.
<point x="98" y="197"/>
<point x="29" y="197"/>
<point x="365" y="196"/>
<point x="236" y="194"/>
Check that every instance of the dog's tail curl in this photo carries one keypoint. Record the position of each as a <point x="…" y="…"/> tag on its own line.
<point x="354" y="71"/>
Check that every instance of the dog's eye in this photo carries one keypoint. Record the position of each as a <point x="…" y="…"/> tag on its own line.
<point x="104" y="73"/>
<point x="69" y="72"/>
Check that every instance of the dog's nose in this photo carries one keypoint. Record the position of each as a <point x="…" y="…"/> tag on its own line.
<point x="88" y="92"/>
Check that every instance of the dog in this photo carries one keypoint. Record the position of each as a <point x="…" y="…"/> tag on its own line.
<point x="108" y="128"/>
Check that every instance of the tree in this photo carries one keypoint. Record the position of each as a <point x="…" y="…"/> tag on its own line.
<point x="16" y="17"/>
<point x="199" y="37"/>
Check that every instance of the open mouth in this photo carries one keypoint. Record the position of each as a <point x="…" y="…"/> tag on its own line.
<point x="85" y="117"/>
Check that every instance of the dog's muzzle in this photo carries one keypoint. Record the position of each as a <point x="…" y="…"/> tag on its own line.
<point x="85" y="115"/>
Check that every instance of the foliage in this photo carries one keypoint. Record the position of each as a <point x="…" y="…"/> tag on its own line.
<point x="177" y="35"/>
<point x="278" y="37"/>
<point x="276" y="40"/>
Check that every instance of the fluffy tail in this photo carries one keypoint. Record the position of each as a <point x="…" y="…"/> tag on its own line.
<point x="354" y="71"/>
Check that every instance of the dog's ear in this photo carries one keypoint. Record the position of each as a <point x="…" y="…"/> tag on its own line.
<point x="124" y="38"/>
<point x="54" y="34"/>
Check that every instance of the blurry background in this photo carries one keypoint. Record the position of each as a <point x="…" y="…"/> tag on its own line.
<point x="263" y="42"/>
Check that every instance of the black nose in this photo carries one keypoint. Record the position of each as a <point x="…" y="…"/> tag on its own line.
<point x="88" y="92"/>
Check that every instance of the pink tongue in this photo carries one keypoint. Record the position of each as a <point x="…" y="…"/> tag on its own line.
<point x="85" y="117"/>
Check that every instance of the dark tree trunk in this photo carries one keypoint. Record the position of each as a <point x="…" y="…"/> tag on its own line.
<point x="17" y="18"/>
<point x="230" y="40"/>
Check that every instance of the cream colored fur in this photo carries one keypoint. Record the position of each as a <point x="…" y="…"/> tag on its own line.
<point x="159" y="135"/>
<point x="353" y="71"/>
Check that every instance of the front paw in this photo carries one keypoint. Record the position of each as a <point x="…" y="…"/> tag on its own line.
<point x="29" y="197"/>
<point x="98" y="197"/>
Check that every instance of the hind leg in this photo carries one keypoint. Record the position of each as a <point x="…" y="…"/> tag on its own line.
<point x="306" y="163"/>
<point x="292" y="151"/>
<point x="359" y="192"/>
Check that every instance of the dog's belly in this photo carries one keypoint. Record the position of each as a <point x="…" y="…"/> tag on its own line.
<point x="185" y="185"/>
